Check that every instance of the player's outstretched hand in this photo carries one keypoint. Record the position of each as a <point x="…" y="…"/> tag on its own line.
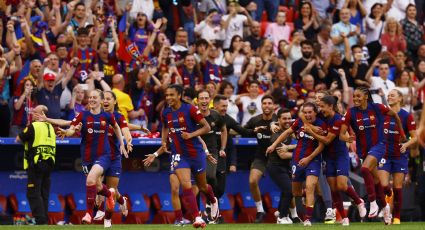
<point x="62" y="133"/>
<point x="211" y="159"/>
<point x="148" y="160"/>
<point x="129" y="147"/>
<point x="123" y="151"/>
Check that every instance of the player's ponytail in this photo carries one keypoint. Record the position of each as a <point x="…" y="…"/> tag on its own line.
<point x="331" y="100"/>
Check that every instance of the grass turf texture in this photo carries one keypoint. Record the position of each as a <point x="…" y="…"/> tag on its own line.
<point x="353" y="226"/>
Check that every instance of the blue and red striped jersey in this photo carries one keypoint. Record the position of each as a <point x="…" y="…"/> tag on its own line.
<point x="94" y="134"/>
<point x="392" y="131"/>
<point x="367" y="125"/>
<point x="87" y="59"/>
<point x="306" y="143"/>
<point x="113" y="139"/>
<point x="185" y="119"/>
<point x="336" y="147"/>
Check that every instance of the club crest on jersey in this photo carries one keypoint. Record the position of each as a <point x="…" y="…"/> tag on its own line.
<point x="361" y="127"/>
<point x="302" y="134"/>
<point x="259" y="136"/>
<point x="386" y="131"/>
<point x="181" y="119"/>
<point x="90" y="130"/>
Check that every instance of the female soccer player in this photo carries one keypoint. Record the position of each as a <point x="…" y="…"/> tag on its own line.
<point x="367" y="119"/>
<point x="306" y="159"/>
<point x="336" y="157"/>
<point x="95" y="148"/>
<point x="395" y="159"/>
<point x="180" y="122"/>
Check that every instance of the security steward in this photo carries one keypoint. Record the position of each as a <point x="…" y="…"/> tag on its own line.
<point x="39" y="141"/>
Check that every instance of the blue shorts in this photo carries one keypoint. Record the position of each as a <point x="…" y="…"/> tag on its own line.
<point x="377" y="151"/>
<point x="196" y="164"/>
<point x="395" y="165"/>
<point x="300" y="173"/>
<point x="337" y="167"/>
<point x="114" y="169"/>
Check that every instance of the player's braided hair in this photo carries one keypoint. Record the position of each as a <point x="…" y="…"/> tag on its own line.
<point x="366" y="92"/>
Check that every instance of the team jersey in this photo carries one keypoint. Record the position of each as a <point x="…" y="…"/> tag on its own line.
<point x="87" y="59"/>
<point x="367" y="124"/>
<point x="392" y="131"/>
<point x="263" y="135"/>
<point x="113" y="139"/>
<point x="94" y="134"/>
<point x="216" y="123"/>
<point x="306" y="143"/>
<point x="337" y="146"/>
<point x="185" y="119"/>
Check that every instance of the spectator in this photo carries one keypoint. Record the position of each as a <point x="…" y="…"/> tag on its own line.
<point x="236" y="58"/>
<point x="307" y="21"/>
<point x="76" y="104"/>
<point x="412" y="31"/>
<point x="270" y="6"/>
<point x="331" y="67"/>
<point x="218" y="6"/>
<point x="125" y="105"/>
<point x="210" y="28"/>
<point x="344" y="29"/>
<point x="210" y="70"/>
<point x="367" y="4"/>
<point x="233" y="22"/>
<point x="380" y="86"/>
<point x="181" y="47"/>
<point x="392" y="39"/>
<point x="325" y="41"/>
<point x="278" y="30"/>
<point x="420" y="82"/>
<point x="405" y="85"/>
<point x="359" y="67"/>
<point x="189" y="72"/>
<point x="79" y="20"/>
<point x="292" y="51"/>
<point x="250" y="103"/>
<point x="86" y="55"/>
<point x="22" y="107"/>
<point x="398" y="8"/>
<point x="357" y="12"/>
<point x="255" y="38"/>
<point x="374" y="29"/>
<point x="307" y="65"/>
<point x="227" y="89"/>
<point x="321" y="7"/>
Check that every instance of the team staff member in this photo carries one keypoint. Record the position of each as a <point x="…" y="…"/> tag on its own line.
<point x="278" y="166"/>
<point x="39" y="141"/>
<point x="259" y="126"/>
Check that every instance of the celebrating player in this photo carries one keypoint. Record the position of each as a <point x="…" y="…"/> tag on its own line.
<point x="367" y="119"/>
<point x="395" y="159"/>
<point x="306" y="159"/>
<point x="180" y="125"/>
<point x="336" y="157"/>
<point x="95" y="149"/>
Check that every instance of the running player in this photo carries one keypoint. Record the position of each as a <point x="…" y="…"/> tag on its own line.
<point x="336" y="157"/>
<point x="180" y="122"/>
<point x="367" y="119"/>
<point x="95" y="149"/>
<point x="396" y="157"/>
<point x="259" y="126"/>
<point x="306" y="159"/>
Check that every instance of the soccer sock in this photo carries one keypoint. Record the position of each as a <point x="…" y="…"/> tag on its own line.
<point x="337" y="201"/>
<point x="380" y="197"/>
<point x="353" y="195"/>
<point x="308" y="212"/>
<point x="104" y="191"/>
<point x="293" y="212"/>
<point x="190" y="199"/>
<point x="90" y="198"/>
<point x="108" y="215"/>
<point x="387" y="190"/>
<point x="259" y="205"/>
<point x="369" y="183"/>
<point x="178" y="214"/>
<point x="210" y="194"/>
<point x="398" y="198"/>
<point x="120" y="200"/>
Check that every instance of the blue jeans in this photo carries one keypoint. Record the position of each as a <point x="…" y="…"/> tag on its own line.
<point x="190" y="29"/>
<point x="271" y="7"/>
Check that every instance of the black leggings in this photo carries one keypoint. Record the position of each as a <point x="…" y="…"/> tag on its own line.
<point x="281" y="177"/>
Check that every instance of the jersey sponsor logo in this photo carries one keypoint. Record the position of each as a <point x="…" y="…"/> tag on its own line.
<point x="361" y="127"/>
<point x="262" y="136"/>
<point x="386" y="131"/>
<point x="175" y="130"/>
<point x="90" y="130"/>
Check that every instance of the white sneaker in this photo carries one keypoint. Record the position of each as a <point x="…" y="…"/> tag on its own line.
<point x="330" y="217"/>
<point x="387" y="214"/>
<point x="123" y="207"/>
<point x="373" y="210"/>
<point x="215" y="212"/>
<point x="362" y="209"/>
<point x="284" y="220"/>
<point x="276" y="214"/>
<point x="307" y="223"/>
<point x="199" y="223"/>
<point x="107" y="223"/>
<point x="345" y="221"/>
<point x="99" y="215"/>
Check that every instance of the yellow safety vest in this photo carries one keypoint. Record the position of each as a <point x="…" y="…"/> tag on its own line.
<point x="44" y="144"/>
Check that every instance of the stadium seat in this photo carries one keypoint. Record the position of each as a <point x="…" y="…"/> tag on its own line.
<point x="271" y="203"/>
<point x="247" y="208"/>
<point x="227" y="205"/>
<point x="77" y="205"/>
<point x="3" y="204"/>
<point x="19" y="204"/>
<point x="164" y="209"/>
<point x="138" y="209"/>
<point x="56" y="209"/>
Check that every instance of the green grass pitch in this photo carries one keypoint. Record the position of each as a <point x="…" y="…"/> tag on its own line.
<point x="353" y="226"/>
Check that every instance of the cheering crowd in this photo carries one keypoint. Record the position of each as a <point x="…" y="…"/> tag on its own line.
<point x="336" y="81"/>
